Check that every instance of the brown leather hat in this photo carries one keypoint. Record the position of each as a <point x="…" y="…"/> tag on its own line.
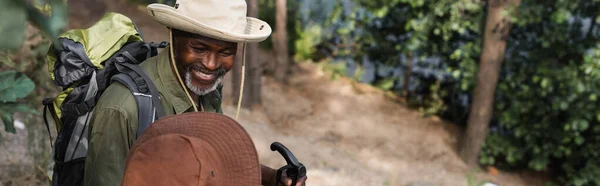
<point x="193" y="149"/>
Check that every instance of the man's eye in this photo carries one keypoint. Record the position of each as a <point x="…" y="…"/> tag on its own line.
<point x="199" y="49"/>
<point x="227" y="54"/>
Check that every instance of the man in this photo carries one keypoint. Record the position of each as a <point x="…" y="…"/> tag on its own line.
<point x="204" y="36"/>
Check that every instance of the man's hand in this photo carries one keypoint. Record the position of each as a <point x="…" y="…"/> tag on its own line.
<point x="269" y="178"/>
<point x="287" y="181"/>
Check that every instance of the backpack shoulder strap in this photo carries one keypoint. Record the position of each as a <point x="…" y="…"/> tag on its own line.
<point x="145" y="93"/>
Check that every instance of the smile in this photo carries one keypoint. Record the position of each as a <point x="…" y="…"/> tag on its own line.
<point x="205" y="78"/>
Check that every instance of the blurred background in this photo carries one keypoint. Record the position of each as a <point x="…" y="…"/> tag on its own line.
<point x="367" y="92"/>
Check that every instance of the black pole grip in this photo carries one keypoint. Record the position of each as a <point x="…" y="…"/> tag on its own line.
<point x="296" y="169"/>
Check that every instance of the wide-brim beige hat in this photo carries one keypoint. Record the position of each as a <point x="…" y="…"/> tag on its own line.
<point x="219" y="19"/>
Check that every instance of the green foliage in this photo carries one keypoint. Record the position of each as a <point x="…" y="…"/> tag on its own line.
<point x="447" y="30"/>
<point x="50" y="16"/>
<point x="51" y="21"/>
<point x="385" y="84"/>
<point x="13" y="85"/>
<point x="306" y="42"/>
<point x="546" y="113"/>
<point x="335" y="69"/>
<point x="14" y="26"/>
<point x="554" y="113"/>
<point x="434" y="103"/>
<point x="547" y="97"/>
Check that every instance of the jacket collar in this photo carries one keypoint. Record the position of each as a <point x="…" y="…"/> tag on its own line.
<point x="173" y="90"/>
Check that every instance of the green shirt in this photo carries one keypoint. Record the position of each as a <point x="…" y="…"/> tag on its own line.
<point x="114" y="123"/>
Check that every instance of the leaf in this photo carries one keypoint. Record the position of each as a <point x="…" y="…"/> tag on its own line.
<point x="583" y="125"/>
<point x="510" y="158"/>
<point x="579" y="140"/>
<point x="14" y="85"/>
<point x="545" y="44"/>
<point x="593" y="97"/>
<point x="385" y="84"/>
<point x="536" y="79"/>
<point x="487" y="160"/>
<point x="464" y="85"/>
<point x="564" y="105"/>
<point x="454" y="26"/>
<point x="456" y="54"/>
<point x="561" y="15"/>
<point x="545" y="82"/>
<point x="381" y="12"/>
<point x="536" y="150"/>
<point x="12" y="26"/>
<point x="519" y="132"/>
<point x="456" y="74"/>
<point x="54" y="24"/>
<point x="538" y="164"/>
<point x="580" y="87"/>
<point x="491" y="160"/>
<point x="19" y="107"/>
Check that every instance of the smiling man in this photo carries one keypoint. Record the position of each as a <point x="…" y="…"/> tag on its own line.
<point x="202" y="72"/>
<point x="204" y="39"/>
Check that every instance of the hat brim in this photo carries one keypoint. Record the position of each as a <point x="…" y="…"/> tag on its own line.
<point x="229" y="139"/>
<point x="255" y="31"/>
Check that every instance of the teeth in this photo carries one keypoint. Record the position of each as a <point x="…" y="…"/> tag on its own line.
<point x="206" y="76"/>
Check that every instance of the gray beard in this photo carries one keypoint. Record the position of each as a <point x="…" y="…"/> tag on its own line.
<point x="199" y="91"/>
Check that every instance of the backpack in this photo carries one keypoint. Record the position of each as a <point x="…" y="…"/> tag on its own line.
<point x="84" y="62"/>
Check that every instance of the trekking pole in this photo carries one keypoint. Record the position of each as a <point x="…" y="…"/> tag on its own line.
<point x="294" y="168"/>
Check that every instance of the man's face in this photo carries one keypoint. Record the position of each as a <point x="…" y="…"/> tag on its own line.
<point x="202" y="61"/>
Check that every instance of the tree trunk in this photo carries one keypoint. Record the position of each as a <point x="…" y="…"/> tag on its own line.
<point x="280" y="41"/>
<point x="252" y="82"/>
<point x="494" y="45"/>
<point x="255" y="73"/>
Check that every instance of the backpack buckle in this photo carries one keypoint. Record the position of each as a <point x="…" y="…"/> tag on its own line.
<point x="81" y="109"/>
<point x="84" y="107"/>
<point x="163" y="44"/>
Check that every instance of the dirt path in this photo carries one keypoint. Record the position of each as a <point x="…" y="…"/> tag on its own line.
<point x="352" y="134"/>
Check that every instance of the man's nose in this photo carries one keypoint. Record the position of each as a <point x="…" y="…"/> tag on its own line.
<point x="211" y="62"/>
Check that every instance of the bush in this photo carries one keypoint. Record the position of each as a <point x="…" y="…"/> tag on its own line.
<point x="548" y="95"/>
<point x="554" y="117"/>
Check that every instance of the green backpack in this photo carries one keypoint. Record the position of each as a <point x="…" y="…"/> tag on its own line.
<point x="85" y="64"/>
